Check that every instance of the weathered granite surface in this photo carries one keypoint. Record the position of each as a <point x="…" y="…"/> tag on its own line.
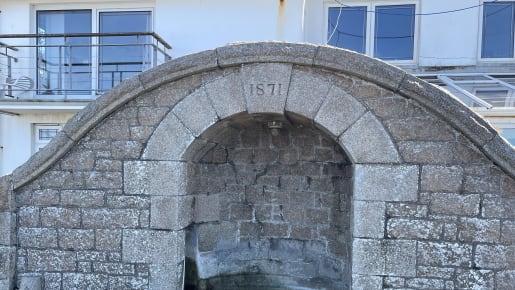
<point x="376" y="180"/>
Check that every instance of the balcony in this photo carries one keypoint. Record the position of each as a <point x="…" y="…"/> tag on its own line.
<point x="66" y="71"/>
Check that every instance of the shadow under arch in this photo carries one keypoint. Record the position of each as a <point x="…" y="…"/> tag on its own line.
<point x="271" y="207"/>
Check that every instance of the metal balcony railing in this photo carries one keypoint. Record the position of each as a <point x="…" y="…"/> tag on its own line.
<point x="74" y="66"/>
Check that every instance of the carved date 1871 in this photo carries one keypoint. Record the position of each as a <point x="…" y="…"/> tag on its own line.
<point x="265" y="89"/>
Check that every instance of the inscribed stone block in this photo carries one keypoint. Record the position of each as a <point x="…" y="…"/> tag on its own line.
<point x="266" y="86"/>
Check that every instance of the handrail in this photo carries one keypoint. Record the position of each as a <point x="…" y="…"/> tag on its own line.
<point x="65" y="35"/>
<point x="54" y="70"/>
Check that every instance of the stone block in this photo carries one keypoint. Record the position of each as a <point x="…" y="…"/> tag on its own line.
<point x="37" y="237"/>
<point x="401" y="228"/>
<point x="5" y="191"/>
<point x="368" y="130"/>
<point x="60" y="217"/>
<point x="426" y="152"/>
<point x="108" y="240"/>
<point x="237" y="53"/>
<point x="45" y="197"/>
<point x="217" y="236"/>
<point x="196" y="112"/>
<point x="75" y="239"/>
<point x="207" y="208"/>
<point x="494" y="207"/>
<point x="266" y="87"/>
<point x="441" y="102"/>
<point x="508" y="231"/>
<point x="441" y="178"/>
<point x="82" y="198"/>
<point x="406" y="210"/>
<point x="51" y="261"/>
<point x="490" y="256"/>
<point x="110" y="218"/>
<point x="171" y="212"/>
<point x="479" y="230"/>
<point x="85" y="281"/>
<point x="401" y="258"/>
<point x="454" y="204"/>
<point x="384" y="257"/>
<point x="7" y="223"/>
<point x="128" y="282"/>
<point x="113" y="268"/>
<point x="356" y="64"/>
<point x="27" y="282"/>
<point x="7" y="263"/>
<point x="505" y="279"/>
<point x="419" y="127"/>
<point x="444" y="254"/>
<point x="166" y="276"/>
<point x="155" y="178"/>
<point x="307" y="92"/>
<point x="369" y="219"/>
<point x="365" y="282"/>
<point x="338" y="112"/>
<point x="385" y="182"/>
<point x="28" y="217"/>
<point x="155" y="247"/>
<point x="226" y="95"/>
<point x="169" y="141"/>
<point x="104" y="180"/>
<point x="425" y="283"/>
<point x="475" y="279"/>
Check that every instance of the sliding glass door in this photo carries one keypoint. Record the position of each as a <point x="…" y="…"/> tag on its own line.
<point x="63" y="63"/>
<point x="121" y="57"/>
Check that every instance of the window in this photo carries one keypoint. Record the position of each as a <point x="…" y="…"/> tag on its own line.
<point x="348" y="27"/>
<point x="509" y="134"/>
<point x="123" y="56"/>
<point x="498" y="30"/>
<point x="79" y="65"/>
<point x="63" y="63"/>
<point x="43" y="133"/>
<point x="389" y="34"/>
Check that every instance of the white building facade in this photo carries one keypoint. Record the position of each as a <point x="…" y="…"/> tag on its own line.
<point x="58" y="55"/>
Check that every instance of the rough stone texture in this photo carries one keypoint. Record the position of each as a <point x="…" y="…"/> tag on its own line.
<point x="266" y="87"/>
<point x="196" y="112"/>
<point x="99" y="207"/>
<point x="368" y="130"/>
<point x="386" y="182"/>
<point x="330" y="115"/>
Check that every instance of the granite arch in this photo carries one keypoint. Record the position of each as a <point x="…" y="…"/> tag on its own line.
<point x="314" y="81"/>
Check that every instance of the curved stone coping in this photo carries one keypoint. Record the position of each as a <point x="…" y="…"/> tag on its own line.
<point x="376" y="71"/>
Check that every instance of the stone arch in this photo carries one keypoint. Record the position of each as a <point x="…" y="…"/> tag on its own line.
<point x="314" y="82"/>
<point x="295" y="95"/>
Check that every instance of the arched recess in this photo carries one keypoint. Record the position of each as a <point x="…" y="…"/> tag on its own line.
<point x="261" y="94"/>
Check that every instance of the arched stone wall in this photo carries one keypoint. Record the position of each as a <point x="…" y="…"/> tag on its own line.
<point x="107" y="203"/>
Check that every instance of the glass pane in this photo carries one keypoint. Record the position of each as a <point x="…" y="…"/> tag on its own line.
<point x="64" y="64"/>
<point x="47" y="134"/>
<point x="347" y="27"/>
<point x="496" y="98"/>
<point x="509" y="134"/>
<point x="123" y="56"/>
<point x="394" y="32"/>
<point x="498" y="25"/>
